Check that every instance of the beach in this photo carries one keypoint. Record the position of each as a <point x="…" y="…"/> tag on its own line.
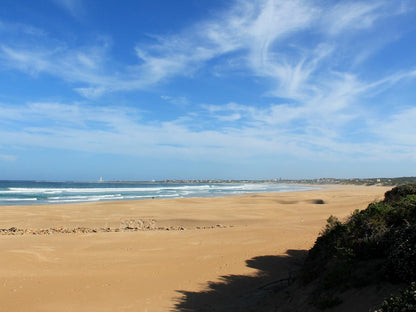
<point x="161" y="254"/>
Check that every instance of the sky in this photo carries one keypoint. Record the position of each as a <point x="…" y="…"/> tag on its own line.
<point x="207" y="89"/>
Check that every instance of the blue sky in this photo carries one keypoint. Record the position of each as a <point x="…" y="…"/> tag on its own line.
<point x="142" y="90"/>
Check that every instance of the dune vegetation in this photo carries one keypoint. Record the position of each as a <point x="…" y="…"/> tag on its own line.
<point x="372" y="246"/>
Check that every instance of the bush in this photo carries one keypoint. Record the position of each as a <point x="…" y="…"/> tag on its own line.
<point x="326" y="247"/>
<point x="326" y="301"/>
<point x="400" y="191"/>
<point x="405" y="302"/>
<point x="371" y="245"/>
<point x="401" y="260"/>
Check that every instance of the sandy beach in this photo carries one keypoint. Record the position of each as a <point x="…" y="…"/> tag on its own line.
<point x="194" y="253"/>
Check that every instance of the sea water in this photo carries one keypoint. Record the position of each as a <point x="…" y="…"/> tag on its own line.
<point x="41" y="192"/>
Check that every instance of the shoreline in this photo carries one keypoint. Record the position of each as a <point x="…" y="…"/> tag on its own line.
<point x="159" y="270"/>
<point x="115" y="201"/>
<point x="22" y="193"/>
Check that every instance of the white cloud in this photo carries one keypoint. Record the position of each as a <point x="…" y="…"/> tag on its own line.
<point x="248" y="27"/>
<point x="25" y="60"/>
<point x="176" y="100"/>
<point x="71" y="65"/>
<point x="384" y="83"/>
<point x="74" y="7"/>
<point x="8" y="157"/>
<point x="353" y="15"/>
<point x="9" y="29"/>
<point x="398" y="129"/>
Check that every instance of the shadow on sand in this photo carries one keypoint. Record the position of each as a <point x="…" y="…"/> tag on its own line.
<point x="242" y="292"/>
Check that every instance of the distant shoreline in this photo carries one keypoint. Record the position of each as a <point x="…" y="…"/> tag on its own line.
<point x="381" y="181"/>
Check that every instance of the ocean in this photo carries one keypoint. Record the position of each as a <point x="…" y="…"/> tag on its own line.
<point x="41" y="192"/>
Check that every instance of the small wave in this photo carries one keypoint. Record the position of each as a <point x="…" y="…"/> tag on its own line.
<point x="66" y="201"/>
<point x="105" y="189"/>
<point x="77" y="190"/>
<point x="74" y="199"/>
<point x="18" y="199"/>
<point x="150" y="196"/>
<point x="85" y="196"/>
<point x="191" y="187"/>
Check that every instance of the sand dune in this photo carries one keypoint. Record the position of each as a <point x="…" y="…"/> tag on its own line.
<point x="159" y="269"/>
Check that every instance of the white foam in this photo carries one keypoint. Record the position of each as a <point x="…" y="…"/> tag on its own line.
<point x="77" y="190"/>
<point x="73" y="199"/>
<point x="87" y="196"/>
<point x="101" y="190"/>
<point x="18" y="199"/>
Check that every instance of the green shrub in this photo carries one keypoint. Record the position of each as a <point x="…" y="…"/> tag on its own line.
<point x="405" y="302"/>
<point x="401" y="260"/>
<point x="371" y="245"/>
<point x="399" y="192"/>
<point x="327" y="247"/>
<point x="326" y="301"/>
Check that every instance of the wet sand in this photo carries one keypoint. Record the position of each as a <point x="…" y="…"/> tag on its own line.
<point x="162" y="268"/>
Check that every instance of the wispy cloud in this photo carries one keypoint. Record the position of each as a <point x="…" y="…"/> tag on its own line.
<point x="80" y="65"/>
<point x="83" y="65"/>
<point x="260" y="34"/>
<point x="73" y="7"/>
<point x="399" y="129"/>
<point x="353" y="15"/>
<point x="8" y="157"/>
<point x="11" y="29"/>
<point x="176" y="100"/>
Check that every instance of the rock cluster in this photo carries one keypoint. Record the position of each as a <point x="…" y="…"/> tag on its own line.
<point x="221" y="226"/>
<point x="53" y="230"/>
<point x="138" y="224"/>
<point x="125" y="226"/>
